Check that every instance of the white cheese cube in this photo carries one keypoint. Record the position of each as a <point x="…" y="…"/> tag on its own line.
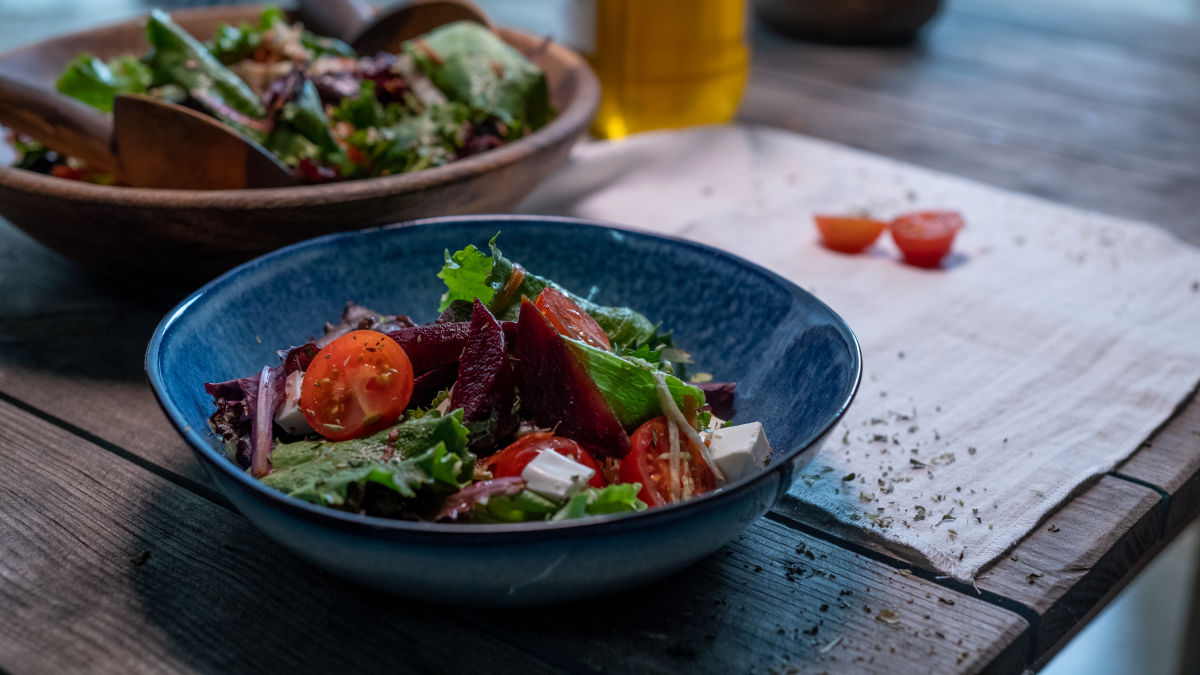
<point x="740" y="451"/>
<point x="555" y="476"/>
<point x="289" y="416"/>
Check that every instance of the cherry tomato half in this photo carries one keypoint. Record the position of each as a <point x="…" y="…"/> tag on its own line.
<point x="512" y="460"/>
<point x="568" y="319"/>
<point x="67" y="172"/>
<point x="358" y="384"/>
<point x="647" y="463"/>
<point x="847" y="233"/>
<point x="925" y="237"/>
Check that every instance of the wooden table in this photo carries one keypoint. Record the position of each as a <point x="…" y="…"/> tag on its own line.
<point x="117" y="554"/>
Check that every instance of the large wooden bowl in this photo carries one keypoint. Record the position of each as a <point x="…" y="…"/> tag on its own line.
<point x="186" y="236"/>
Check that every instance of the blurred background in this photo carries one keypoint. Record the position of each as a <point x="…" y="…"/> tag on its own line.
<point x="1068" y="86"/>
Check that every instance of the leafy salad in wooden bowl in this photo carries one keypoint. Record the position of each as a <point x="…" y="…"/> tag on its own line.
<point x="324" y="111"/>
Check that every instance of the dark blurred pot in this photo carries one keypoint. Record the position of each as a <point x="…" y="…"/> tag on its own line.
<point x="848" y="21"/>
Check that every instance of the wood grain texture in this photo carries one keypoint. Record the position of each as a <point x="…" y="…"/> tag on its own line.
<point x="779" y="601"/>
<point x="1015" y="99"/>
<point x="1079" y="558"/>
<point x="72" y="345"/>
<point x="107" y="567"/>
<point x="1170" y="461"/>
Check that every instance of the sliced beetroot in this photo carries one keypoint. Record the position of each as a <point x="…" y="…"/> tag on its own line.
<point x="558" y="392"/>
<point x="485" y="381"/>
<point x="428" y="384"/>
<point x="432" y="345"/>
<point x="719" y="396"/>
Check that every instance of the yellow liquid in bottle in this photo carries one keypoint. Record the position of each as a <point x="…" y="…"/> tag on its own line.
<point x="667" y="63"/>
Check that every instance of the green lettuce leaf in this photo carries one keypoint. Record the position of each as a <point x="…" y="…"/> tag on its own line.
<point x="366" y="110"/>
<point x="430" y="452"/>
<point x="97" y="83"/>
<point x="234" y="43"/>
<point x="527" y="505"/>
<point x="393" y="140"/>
<point x="467" y="274"/>
<point x="303" y="130"/>
<point x="470" y="273"/>
<point x="523" y="506"/>
<point x="619" y="498"/>
<point x="473" y="66"/>
<point x="178" y="58"/>
<point x="628" y="387"/>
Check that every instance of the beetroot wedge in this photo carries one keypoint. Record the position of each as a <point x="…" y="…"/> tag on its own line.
<point x="428" y="385"/>
<point x="484" y="388"/>
<point x="432" y="345"/>
<point x="558" y="392"/>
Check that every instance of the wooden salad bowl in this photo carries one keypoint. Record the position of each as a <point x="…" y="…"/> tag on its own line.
<point x="181" y="237"/>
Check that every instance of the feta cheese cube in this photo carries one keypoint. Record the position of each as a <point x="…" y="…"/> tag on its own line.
<point x="555" y="476"/>
<point x="740" y="451"/>
<point x="290" y="416"/>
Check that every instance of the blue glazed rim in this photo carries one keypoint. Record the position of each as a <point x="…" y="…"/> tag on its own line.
<point x="472" y="532"/>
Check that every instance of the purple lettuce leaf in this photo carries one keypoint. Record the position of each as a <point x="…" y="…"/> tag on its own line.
<point x="356" y="317"/>
<point x="246" y="407"/>
<point x="458" y="506"/>
<point x="245" y="416"/>
<point x="233" y="420"/>
<point x="719" y="396"/>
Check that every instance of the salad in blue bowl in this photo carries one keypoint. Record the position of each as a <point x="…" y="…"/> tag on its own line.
<point x="587" y="409"/>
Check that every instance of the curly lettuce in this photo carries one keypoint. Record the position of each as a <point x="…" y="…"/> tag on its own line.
<point x="429" y="453"/>
<point x="97" y="83"/>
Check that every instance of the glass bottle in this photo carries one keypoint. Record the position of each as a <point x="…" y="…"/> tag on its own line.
<point x="662" y="63"/>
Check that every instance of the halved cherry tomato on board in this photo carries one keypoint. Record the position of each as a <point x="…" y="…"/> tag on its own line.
<point x="925" y="237"/>
<point x="358" y="384"/>
<point x="568" y="319"/>
<point x="848" y="234"/>
<point x="648" y="463"/>
<point x="512" y="460"/>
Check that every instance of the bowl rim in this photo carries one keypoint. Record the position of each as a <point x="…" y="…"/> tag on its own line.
<point x="198" y="441"/>
<point x="575" y="117"/>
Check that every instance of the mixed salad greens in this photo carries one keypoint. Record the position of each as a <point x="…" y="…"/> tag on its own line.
<point x="522" y="401"/>
<point x="323" y="110"/>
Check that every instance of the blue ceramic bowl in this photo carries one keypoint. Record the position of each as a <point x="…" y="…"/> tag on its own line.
<point x="796" y="362"/>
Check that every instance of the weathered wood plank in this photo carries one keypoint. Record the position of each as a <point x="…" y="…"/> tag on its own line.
<point x="779" y="601"/>
<point x="1135" y="26"/>
<point x="1082" y="555"/>
<point x="72" y="344"/>
<point x="213" y="595"/>
<point x="105" y="567"/>
<point x="837" y="114"/>
<point x="1042" y="59"/>
<point x="1077" y="560"/>
<point x="1084" y="121"/>
<point x="1170" y="461"/>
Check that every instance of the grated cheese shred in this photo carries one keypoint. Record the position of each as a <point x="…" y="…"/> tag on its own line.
<point x="677" y="424"/>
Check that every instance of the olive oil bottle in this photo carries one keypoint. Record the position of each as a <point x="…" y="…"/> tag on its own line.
<point x="663" y="63"/>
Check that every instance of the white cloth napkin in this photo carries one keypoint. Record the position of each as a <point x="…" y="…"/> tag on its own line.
<point x="1052" y="345"/>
